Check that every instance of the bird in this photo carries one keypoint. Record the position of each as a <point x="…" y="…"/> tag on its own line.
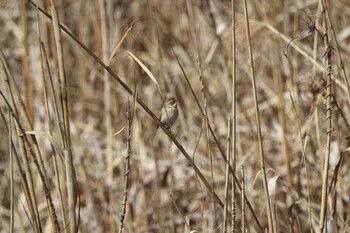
<point x="169" y="112"/>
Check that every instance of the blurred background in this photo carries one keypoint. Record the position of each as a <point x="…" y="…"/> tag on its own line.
<point x="163" y="188"/>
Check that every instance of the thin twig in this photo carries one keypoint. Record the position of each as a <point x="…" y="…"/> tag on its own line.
<point x="12" y="219"/>
<point x="127" y="168"/>
<point x="257" y="116"/>
<point x="227" y="174"/>
<point x="329" y="108"/>
<point x="234" y="117"/>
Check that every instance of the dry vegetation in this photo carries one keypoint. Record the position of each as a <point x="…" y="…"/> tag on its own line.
<point x="79" y="149"/>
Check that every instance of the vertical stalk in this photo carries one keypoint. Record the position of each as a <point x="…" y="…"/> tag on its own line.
<point x="61" y="137"/>
<point x="234" y="117"/>
<point x="31" y="197"/>
<point x="28" y="82"/>
<point x="104" y="5"/>
<point x="68" y="155"/>
<point x="127" y="169"/>
<point x="11" y="177"/>
<point x="243" y="200"/>
<point x="227" y="172"/>
<point x="257" y="116"/>
<point x="328" y="75"/>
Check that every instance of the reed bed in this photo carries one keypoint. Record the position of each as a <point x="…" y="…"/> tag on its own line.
<point x="261" y="143"/>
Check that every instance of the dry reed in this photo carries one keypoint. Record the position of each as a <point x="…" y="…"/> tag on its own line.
<point x="70" y="161"/>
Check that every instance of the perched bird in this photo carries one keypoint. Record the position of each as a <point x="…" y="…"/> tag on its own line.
<point x="169" y="112"/>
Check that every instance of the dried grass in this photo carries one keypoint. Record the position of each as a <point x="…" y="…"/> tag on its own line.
<point x="115" y="57"/>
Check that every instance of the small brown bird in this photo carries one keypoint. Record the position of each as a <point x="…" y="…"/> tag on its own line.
<point x="169" y="114"/>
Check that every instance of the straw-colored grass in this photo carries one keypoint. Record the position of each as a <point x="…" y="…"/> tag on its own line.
<point x="263" y="99"/>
